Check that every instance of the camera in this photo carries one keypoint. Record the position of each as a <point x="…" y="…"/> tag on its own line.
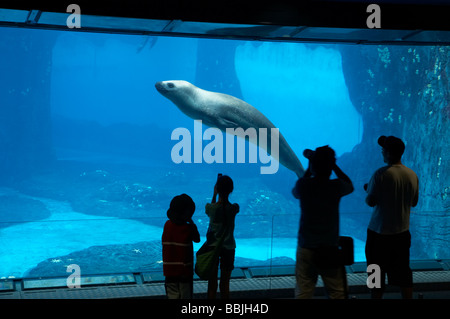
<point x="308" y="153"/>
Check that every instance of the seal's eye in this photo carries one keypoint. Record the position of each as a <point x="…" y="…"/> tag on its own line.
<point x="170" y="85"/>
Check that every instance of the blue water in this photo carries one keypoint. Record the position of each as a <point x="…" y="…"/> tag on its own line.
<point x="112" y="177"/>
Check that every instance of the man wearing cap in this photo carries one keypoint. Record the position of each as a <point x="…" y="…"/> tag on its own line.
<point x="392" y="191"/>
<point x="318" y="235"/>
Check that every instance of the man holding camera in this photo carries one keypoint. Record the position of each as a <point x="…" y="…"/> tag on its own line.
<point x="318" y="236"/>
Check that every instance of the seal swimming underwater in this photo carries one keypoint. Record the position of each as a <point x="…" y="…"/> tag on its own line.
<point x="225" y="111"/>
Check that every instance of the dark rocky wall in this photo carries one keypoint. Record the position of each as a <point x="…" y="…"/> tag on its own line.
<point x="403" y="91"/>
<point x="25" y="125"/>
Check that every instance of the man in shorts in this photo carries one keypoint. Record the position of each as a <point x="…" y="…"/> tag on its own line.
<point x="318" y="235"/>
<point x="392" y="191"/>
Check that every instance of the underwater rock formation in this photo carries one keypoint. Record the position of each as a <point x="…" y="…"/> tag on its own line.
<point x="137" y="257"/>
<point x="403" y="91"/>
<point x="113" y="259"/>
<point x="19" y="209"/>
<point x="25" y="124"/>
<point x="137" y="195"/>
<point x="107" y="194"/>
<point x="260" y="204"/>
<point x="142" y="256"/>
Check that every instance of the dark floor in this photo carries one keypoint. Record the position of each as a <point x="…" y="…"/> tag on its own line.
<point x="431" y="281"/>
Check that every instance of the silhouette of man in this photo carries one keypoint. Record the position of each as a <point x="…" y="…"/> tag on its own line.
<point x="318" y="236"/>
<point x="392" y="191"/>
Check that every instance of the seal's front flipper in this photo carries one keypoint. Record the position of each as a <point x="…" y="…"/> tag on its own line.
<point x="227" y="123"/>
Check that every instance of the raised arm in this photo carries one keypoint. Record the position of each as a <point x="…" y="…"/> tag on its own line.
<point x="344" y="178"/>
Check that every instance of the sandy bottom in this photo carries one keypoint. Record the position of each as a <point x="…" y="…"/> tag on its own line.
<point x="25" y="245"/>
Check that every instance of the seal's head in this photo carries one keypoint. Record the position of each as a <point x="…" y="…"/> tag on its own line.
<point x="165" y="86"/>
<point x="170" y="88"/>
<point x="181" y="93"/>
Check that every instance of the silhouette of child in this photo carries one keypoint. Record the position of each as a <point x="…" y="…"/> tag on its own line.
<point x="221" y="212"/>
<point x="178" y="252"/>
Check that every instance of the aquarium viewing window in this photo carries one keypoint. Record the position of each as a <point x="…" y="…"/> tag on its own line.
<point x="86" y="172"/>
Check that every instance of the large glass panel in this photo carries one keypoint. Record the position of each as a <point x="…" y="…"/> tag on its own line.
<point x="284" y="240"/>
<point x="91" y="153"/>
<point x="430" y="235"/>
<point x="97" y="245"/>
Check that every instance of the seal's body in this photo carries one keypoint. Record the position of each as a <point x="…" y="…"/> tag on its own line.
<point x="225" y="111"/>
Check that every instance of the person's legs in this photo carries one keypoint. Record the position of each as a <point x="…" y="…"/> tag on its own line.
<point x="377" y="293"/>
<point x="226" y="267"/>
<point x="172" y="290"/>
<point x="186" y="289"/>
<point x="335" y="282"/>
<point x="407" y="292"/>
<point x="375" y="254"/>
<point x="305" y="273"/>
<point x="212" y="283"/>
<point x="224" y="286"/>
<point x="400" y="273"/>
